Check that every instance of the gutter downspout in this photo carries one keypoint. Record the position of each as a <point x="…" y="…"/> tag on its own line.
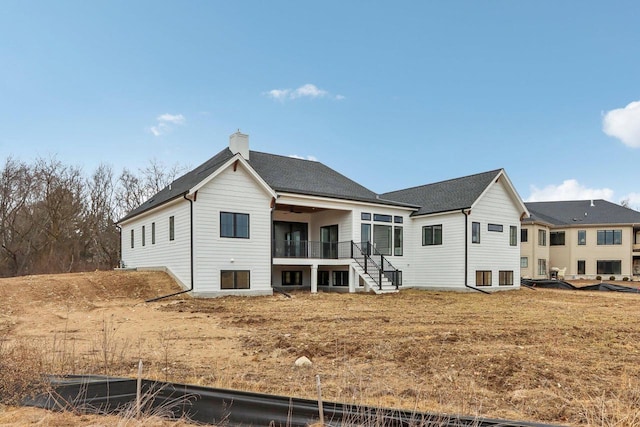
<point x="190" y="253"/>
<point x="466" y="254"/>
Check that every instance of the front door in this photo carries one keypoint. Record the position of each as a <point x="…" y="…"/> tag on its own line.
<point x="329" y="241"/>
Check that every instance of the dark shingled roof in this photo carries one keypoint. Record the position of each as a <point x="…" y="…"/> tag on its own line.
<point x="445" y="196"/>
<point x="281" y="173"/>
<point x="577" y="212"/>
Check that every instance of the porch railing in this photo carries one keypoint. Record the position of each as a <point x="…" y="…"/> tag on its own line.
<point x="311" y="249"/>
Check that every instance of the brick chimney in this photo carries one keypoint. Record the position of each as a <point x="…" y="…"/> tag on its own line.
<point x="239" y="143"/>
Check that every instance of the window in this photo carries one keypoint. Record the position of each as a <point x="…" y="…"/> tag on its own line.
<point x="524" y="235"/>
<point x="610" y="267"/>
<point x="495" y="227"/>
<point x="133" y="238"/>
<point x="524" y="262"/>
<point x="581" y="267"/>
<point x="382" y="238"/>
<point x="483" y="278"/>
<point x="341" y="278"/>
<point x="172" y="228"/>
<point x="365" y="237"/>
<point x="432" y="235"/>
<point x="365" y="216"/>
<point x="323" y="278"/>
<point x="382" y="218"/>
<point x="143" y="236"/>
<point x="542" y="238"/>
<point x="582" y="237"/>
<point x="542" y="267"/>
<point x="153" y="233"/>
<point x="235" y="225"/>
<point x="609" y="237"/>
<point x="556" y="238"/>
<point x="505" y="278"/>
<point x="475" y="232"/>
<point x="397" y="241"/>
<point x="398" y="219"/>
<point x="234" y="279"/>
<point x="291" y="278"/>
<point x="513" y="235"/>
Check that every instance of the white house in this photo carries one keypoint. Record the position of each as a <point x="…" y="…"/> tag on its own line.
<point x="246" y="222"/>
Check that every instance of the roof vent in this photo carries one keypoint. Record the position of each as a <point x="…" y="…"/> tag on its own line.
<point x="239" y="143"/>
<point x="592" y="205"/>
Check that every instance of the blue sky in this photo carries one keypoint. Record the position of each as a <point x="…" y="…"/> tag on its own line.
<point x="391" y="94"/>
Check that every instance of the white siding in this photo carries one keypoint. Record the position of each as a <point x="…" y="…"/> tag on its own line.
<point x="436" y="266"/>
<point x="237" y="192"/>
<point x="173" y="255"/>
<point x="494" y="252"/>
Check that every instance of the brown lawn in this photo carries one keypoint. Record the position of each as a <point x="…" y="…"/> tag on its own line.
<point x="547" y="355"/>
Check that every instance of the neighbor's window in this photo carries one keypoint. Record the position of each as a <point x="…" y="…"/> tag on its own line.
<point x="382" y="238"/>
<point x="505" y="278"/>
<point x="494" y="227"/>
<point x="234" y="225"/>
<point x="609" y="237"/>
<point x="556" y="238"/>
<point x="397" y="240"/>
<point x="475" y="232"/>
<point x="153" y="233"/>
<point x="581" y="267"/>
<point x="524" y="235"/>
<point x="542" y="267"/>
<point x="340" y="278"/>
<point x="513" y="235"/>
<point x="610" y="267"/>
<point x="292" y="278"/>
<point x="582" y="237"/>
<point x="483" y="277"/>
<point x="524" y="262"/>
<point x="172" y="228"/>
<point x="235" y="279"/>
<point x="143" y="236"/>
<point x="133" y="238"/>
<point x="542" y="237"/>
<point x="432" y="235"/>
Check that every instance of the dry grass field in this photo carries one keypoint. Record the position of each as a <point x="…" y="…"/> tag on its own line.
<point x="565" y="357"/>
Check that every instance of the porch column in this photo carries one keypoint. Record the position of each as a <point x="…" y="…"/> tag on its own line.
<point x="314" y="278"/>
<point x="353" y="279"/>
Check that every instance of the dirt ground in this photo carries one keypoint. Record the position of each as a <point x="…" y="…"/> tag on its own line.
<point x="554" y="356"/>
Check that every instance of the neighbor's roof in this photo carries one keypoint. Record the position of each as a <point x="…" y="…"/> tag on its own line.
<point x="446" y="196"/>
<point x="580" y="212"/>
<point x="282" y="173"/>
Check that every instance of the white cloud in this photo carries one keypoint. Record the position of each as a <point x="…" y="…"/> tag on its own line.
<point x="166" y="122"/>
<point x="305" y="91"/>
<point x="570" y="189"/>
<point x="312" y="158"/>
<point x="624" y="124"/>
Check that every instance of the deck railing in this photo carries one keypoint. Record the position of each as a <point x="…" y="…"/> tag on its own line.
<point x="311" y="249"/>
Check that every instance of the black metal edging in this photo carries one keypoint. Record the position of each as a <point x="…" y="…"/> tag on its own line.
<point x="236" y="408"/>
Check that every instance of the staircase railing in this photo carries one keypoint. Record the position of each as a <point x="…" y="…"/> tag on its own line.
<point x="375" y="265"/>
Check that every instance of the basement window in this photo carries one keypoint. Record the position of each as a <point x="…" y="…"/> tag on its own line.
<point x="292" y="278"/>
<point x="483" y="277"/>
<point x="505" y="278"/>
<point x="340" y="278"/>
<point x="235" y="279"/>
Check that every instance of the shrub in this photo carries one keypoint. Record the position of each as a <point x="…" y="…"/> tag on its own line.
<point x="612" y="277"/>
<point x="598" y="277"/>
<point x="625" y="279"/>
<point x="20" y="371"/>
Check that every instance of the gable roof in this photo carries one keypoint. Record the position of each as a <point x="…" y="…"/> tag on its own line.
<point x="581" y="212"/>
<point x="446" y="196"/>
<point x="281" y="173"/>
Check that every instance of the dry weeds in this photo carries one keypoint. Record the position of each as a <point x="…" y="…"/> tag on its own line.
<point x="547" y="355"/>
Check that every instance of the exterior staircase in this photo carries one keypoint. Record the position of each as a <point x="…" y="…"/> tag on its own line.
<point x="375" y="270"/>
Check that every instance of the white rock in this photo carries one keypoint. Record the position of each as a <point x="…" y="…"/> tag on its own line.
<point x="303" y="361"/>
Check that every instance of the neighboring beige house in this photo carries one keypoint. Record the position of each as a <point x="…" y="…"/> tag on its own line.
<point x="585" y="238"/>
